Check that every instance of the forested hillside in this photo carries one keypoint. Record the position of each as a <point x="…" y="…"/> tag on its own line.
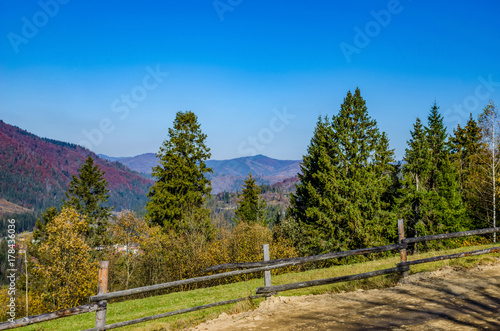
<point x="35" y="172"/>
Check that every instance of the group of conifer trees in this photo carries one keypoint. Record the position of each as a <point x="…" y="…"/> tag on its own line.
<point x="352" y="190"/>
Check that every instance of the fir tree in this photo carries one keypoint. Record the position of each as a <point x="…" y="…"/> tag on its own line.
<point x="251" y="207"/>
<point x="341" y="202"/>
<point x="177" y="199"/>
<point x="87" y="194"/>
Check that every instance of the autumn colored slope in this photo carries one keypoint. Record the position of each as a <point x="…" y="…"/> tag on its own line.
<point x="35" y="172"/>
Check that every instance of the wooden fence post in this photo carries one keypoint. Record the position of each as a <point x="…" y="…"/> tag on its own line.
<point x="267" y="274"/>
<point x="401" y="234"/>
<point x="102" y="287"/>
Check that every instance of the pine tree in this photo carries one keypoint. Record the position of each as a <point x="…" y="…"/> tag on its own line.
<point x="177" y="199"/>
<point x="251" y="207"/>
<point x="87" y="194"/>
<point x="341" y="202"/>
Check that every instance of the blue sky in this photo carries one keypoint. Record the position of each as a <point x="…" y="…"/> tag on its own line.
<point x="111" y="75"/>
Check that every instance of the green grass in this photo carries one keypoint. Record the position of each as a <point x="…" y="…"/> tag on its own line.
<point x="132" y="309"/>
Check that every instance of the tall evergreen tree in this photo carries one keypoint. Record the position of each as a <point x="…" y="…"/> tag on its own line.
<point x="437" y="142"/>
<point x="430" y="195"/>
<point x="346" y="174"/>
<point x="416" y="171"/>
<point x="87" y="194"/>
<point x="251" y="207"/>
<point x="466" y="145"/>
<point x="177" y="200"/>
<point x="468" y="155"/>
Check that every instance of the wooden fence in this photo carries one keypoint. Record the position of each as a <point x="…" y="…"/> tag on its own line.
<point x="98" y="303"/>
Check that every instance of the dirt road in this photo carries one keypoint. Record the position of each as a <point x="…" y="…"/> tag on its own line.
<point x="447" y="299"/>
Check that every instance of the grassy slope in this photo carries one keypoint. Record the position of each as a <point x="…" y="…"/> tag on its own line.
<point x="128" y="310"/>
<point x="11" y="208"/>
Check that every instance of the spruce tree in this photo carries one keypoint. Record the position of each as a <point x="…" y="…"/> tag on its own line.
<point x="466" y="145"/>
<point x="87" y="194"/>
<point x="177" y="199"/>
<point x="341" y="202"/>
<point x="415" y="190"/>
<point x="430" y="195"/>
<point x="437" y="141"/>
<point x="251" y="207"/>
<point x="468" y="154"/>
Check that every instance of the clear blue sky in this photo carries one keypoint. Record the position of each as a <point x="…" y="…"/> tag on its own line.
<point x="261" y="69"/>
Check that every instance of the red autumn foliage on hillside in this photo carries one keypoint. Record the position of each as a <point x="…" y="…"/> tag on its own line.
<point x="35" y="172"/>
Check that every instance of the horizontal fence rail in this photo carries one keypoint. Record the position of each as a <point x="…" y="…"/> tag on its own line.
<point x="176" y="312"/>
<point x="53" y="315"/>
<point x="326" y="281"/>
<point x="306" y="259"/>
<point x="450" y="235"/>
<point x="269" y="265"/>
<point x="138" y="290"/>
<point x="451" y="256"/>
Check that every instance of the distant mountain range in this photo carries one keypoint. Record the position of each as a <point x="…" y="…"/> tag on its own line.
<point x="229" y="174"/>
<point x="35" y="172"/>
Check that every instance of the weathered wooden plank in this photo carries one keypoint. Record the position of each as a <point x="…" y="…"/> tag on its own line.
<point x="176" y="312"/>
<point x="53" y="315"/>
<point x="102" y="287"/>
<point x="318" y="282"/>
<point x="401" y="235"/>
<point x="450" y="235"/>
<point x="267" y="274"/>
<point x="451" y="256"/>
<point x="144" y="289"/>
<point x="306" y="259"/>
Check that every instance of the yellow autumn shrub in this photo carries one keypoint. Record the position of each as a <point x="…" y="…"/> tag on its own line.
<point x="64" y="274"/>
